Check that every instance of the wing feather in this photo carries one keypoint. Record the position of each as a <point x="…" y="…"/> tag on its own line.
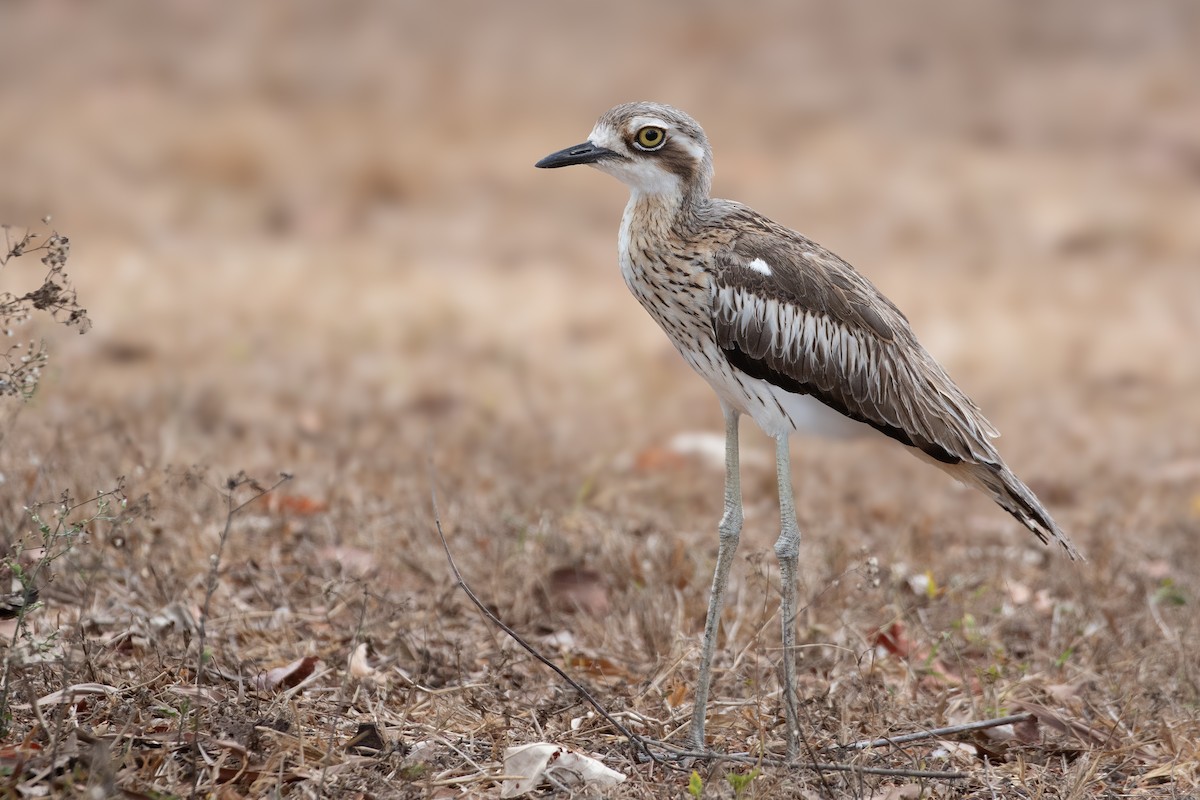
<point x="812" y="325"/>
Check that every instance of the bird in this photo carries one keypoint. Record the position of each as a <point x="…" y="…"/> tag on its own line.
<point x="774" y="322"/>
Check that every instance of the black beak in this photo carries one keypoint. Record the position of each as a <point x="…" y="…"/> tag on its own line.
<point x="586" y="153"/>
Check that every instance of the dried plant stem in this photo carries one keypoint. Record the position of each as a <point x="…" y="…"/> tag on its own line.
<point x="214" y="568"/>
<point x="680" y="754"/>
<point x="888" y="741"/>
<point x="638" y="742"/>
<point x="667" y="753"/>
<point x="853" y="769"/>
<point x="210" y="589"/>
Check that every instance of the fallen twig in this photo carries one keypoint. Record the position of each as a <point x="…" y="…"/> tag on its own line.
<point x="680" y="754"/>
<point x="853" y="769"/>
<point x="669" y="753"/>
<point x="933" y="733"/>
<point x="210" y="589"/>
<point x="887" y="741"/>
<point x="636" y="740"/>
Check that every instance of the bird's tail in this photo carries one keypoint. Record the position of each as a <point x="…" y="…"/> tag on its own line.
<point x="999" y="483"/>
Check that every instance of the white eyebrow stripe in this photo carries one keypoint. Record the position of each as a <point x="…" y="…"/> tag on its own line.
<point x="641" y="122"/>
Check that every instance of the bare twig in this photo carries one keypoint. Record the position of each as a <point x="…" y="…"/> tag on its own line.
<point x="637" y="741"/>
<point x="667" y="753"/>
<point x="987" y="777"/>
<point x="887" y="741"/>
<point x="680" y="754"/>
<point x="214" y="567"/>
<point x="210" y="588"/>
<point x="852" y="769"/>
<point x="36" y="708"/>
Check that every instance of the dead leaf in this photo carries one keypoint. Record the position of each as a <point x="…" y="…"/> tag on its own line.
<point x="175" y="616"/>
<point x="366" y="741"/>
<point x="359" y="666"/>
<point x="909" y="791"/>
<point x="71" y="695"/>
<point x="434" y="403"/>
<point x="708" y="447"/>
<point x="1027" y="732"/>
<point x="943" y="674"/>
<point x="677" y="696"/>
<point x="296" y="505"/>
<point x="201" y="695"/>
<point x="658" y="459"/>
<point x="421" y="752"/>
<point x="1042" y="601"/>
<point x="18" y="753"/>
<point x="309" y="422"/>
<point x="562" y="641"/>
<point x="960" y="752"/>
<point x="1183" y="470"/>
<point x="1081" y="731"/>
<point x="893" y="640"/>
<point x="599" y="667"/>
<point x="527" y="766"/>
<point x="1157" y="569"/>
<point x="286" y="677"/>
<point x="1172" y="771"/>
<point x="577" y="588"/>
<point x="1019" y="593"/>
<point x="1064" y="693"/>
<point x="123" y="352"/>
<point x="355" y="561"/>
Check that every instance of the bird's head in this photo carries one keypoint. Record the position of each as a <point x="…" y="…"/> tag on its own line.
<point x="652" y="148"/>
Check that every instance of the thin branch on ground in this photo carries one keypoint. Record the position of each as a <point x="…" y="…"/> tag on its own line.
<point x="214" y="568"/>
<point x="888" y="741"/>
<point x="680" y="754"/>
<point x="212" y="582"/>
<point x="639" y="742"/>
<point x="644" y="744"/>
<point x="853" y="769"/>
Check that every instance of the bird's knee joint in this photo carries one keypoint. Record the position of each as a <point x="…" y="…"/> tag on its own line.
<point x="730" y="527"/>
<point x="787" y="549"/>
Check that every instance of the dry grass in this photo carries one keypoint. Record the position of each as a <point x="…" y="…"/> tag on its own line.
<point x="312" y="241"/>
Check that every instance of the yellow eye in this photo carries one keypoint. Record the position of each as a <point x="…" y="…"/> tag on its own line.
<point x="650" y="138"/>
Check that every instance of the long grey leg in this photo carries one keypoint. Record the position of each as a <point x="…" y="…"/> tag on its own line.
<point x="730" y="531"/>
<point x="787" y="549"/>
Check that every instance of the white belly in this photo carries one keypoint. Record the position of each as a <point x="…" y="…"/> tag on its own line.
<point x="776" y="411"/>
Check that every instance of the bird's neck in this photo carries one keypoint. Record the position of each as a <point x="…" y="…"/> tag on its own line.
<point x="659" y="214"/>
<point x="653" y="224"/>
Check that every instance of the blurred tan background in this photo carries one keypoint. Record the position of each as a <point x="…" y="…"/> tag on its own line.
<point x="311" y="238"/>
<point x="291" y="218"/>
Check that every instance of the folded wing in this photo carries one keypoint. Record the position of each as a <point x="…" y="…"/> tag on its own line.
<point x="789" y="312"/>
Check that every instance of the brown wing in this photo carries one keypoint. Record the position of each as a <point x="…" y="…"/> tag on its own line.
<point x="789" y="312"/>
